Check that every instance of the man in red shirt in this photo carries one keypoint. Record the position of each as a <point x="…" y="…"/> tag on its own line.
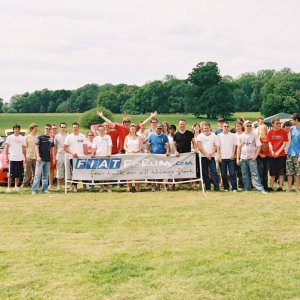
<point x="277" y="139"/>
<point x="123" y="129"/>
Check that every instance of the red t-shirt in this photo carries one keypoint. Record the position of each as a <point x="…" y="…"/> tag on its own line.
<point x="265" y="150"/>
<point x="123" y="132"/>
<point x="277" y="138"/>
<point x="114" y="138"/>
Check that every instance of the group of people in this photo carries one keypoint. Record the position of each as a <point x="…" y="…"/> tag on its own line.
<point x="240" y="158"/>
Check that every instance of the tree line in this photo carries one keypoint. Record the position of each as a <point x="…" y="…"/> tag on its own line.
<point x="203" y="93"/>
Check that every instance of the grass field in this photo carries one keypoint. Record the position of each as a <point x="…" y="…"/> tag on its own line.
<point x="176" y="245"/>
<point x="7" y="120"/>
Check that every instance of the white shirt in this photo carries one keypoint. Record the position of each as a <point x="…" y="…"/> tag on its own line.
<point x="248" y="144"/>
<point x="59" y="141"/>
<point x="226" y="142"/>
<point x="208" y="142"/>
<point x="15" y="144"/>
<point x="76" y="142"/>
<point x="102" y="144"/>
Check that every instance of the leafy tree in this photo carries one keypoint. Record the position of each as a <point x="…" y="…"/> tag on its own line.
<point x="1" y="105"/>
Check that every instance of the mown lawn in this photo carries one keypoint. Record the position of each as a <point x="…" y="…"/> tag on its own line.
<point x="164" y="245"/>
<point x="7" y="120"/>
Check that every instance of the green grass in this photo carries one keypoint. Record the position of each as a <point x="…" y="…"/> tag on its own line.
<point x="7" y="120"/>
<point x="176" y="245"/>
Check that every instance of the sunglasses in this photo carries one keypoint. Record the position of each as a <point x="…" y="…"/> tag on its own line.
<point x="47" y="128"/>
<point x="63" y="127"/>
<point x="225" y="126"/>
<point x="248" y="125"/>
<point x="90" y="135"/>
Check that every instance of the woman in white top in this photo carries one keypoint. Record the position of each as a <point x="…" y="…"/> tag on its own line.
<point x="238" y="133"/>
<point x="133" y="144"/>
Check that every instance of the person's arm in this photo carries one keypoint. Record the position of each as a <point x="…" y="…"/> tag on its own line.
<point x="6" y="152"/>
<point x="109" y="150"/>
<point x="101" y="115"/>
<point x="219" y="154"/>
<point x="125" y="145"/>
<point x="37" y="152"/>
<point x="85" y="149"/>
<point x="256" y="153"/>
<point x="140" y="145"/>
<point x="200" y="147"/>
<point x="147" y="150"/>
<point x="67" y="150"/>
<point x="175" y="149"/>
<point x="271" y="149"/>
<point x="167" y="149"/>
<point x="195" y="148"/>
<point x="233" y="151"/>
<point x="149" y="118"/>
<point x="238" y="154"/>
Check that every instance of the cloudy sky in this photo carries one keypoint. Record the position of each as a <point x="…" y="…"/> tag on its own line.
<point x="59" y="44"/>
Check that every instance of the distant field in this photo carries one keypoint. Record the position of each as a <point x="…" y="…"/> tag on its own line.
<point x="7" y="120"/>
<point x="171" y="245"/>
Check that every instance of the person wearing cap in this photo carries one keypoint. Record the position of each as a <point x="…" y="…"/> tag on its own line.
<point x="293" y="154"/>
<point x="158" y="143"/>
<point x="123" y="129"/>
<point x="220" y="126"/>
<point x="277" y="139"/>
<point x="248" y="148"/>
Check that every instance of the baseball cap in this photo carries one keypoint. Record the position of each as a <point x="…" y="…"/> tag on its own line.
<point x="172" y="127"/>
<point x="159" y="126"/>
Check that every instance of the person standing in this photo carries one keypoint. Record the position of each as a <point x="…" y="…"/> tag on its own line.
<point x="207" y="146"/>
<point x="239" y="129"/>
<point x="114" y="137"/>
<point x="75" y="145"/>
<point x="43" y="148"/>
<point x="54" y="131"/>
<point x="226" y="144"/>
<point x="293" y="157"/>
<point x="59" y="141"/>
<point x="277" y="139"/>
<point x="14" y="151"/>
<point x="247" y="151"/>
<point x="220" y="126"/>
<point x="30" y="156"/>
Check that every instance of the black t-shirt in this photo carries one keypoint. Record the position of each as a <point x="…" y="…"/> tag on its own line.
<point x="183" y="141"/>
<point x="45" y="143"/>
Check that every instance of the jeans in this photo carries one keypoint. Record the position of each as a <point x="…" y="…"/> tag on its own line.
<point x="206" y="166"/>
<point x="263" y="166"/>
<point x="239" y="176"/>
<point x="41" y="167"/>
<point x="228" y="164"/>
<point x="249" y="167"/>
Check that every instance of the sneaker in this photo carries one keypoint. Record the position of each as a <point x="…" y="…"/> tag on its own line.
<point x="225" y="190"/>
<point x="109" y="191"/>
<point x="101" y="191"/>
<point x="49" y="187"/>
<point x="33" y="193"/>
<point x="288" y="190"/>
<point x="133" y="190"/>
<point x="235" y="191"/>
<point x="279" y="189"/>
<point x="263" y="192"/>
<point x="47" y="192"/>
<point x="153" y="189"/>
<point x="240" y="189"/>
<point x="58" y="188"/>
<point x="271" y="190"/>
<point x="74" y="189"/>
<point x="16" y="189"/>
<point x="8" y="190"/>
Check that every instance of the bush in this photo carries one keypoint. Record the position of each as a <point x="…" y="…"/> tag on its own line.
<point x="90" y="117"/>
<point x="11" y="110"/>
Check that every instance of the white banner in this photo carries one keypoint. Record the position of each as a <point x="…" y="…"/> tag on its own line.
<point x="134" y="167"/>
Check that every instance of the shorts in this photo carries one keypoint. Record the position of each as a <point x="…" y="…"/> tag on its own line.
<point x="16" y="169"/>
<point x="292" y="166"/>
<point x="277" y="166"/>
<point x="60" y="166"/>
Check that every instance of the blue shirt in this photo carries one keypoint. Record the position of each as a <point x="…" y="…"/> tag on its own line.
<point x="294" y="148"/>
<point x="158" y="143"/>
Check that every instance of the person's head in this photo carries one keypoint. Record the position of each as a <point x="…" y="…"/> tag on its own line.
<point x="132" y="129"/>
<point x="220" y="123"/>
<point x="206" y="128"/>
<point x="248" y="126"/>
<point x="90" y="136"/>
<point x="182" y="124"/>
<point x="262" y="131"/>
<point x="172" y="129"/>
<point x="159" y="129"/>
<point x="196" y="128"/>
<point x="260" y="121"/>
<point x="153" y="122"/>
<point x="239" y="127"/>
<point x="47" y="129"/>
<point x="33" y="128"/>
<point x="63" y="127"/>
<point x="276" y="123"/>
<point x="75" y="127"/>
<point x="240" y="120"/>
<point x="106" y="126"/>
<point x="54" y="129"/>
<point x="287" y="125"/>
<point x="166" y="126"/>
<point x="16" y="129"/>
<point x="101" y="129"/>
<point x="142" y="126"/>
<point x="225" y="127"/>
<point x="295" y="118"/>
<point x="126" y="122"/>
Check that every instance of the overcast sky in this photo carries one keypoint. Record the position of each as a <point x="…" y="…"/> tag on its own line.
<point x="58" y="44"/>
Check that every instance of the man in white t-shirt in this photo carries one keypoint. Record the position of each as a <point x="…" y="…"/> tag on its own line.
<point x="75" y="145"/>
<point x="226" y="156"/>
<point x="14" y="151"/>
<point x="206" y="142"/>
<point x="247" y="151"/>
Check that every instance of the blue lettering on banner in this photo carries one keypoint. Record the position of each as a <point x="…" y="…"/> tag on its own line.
<point x="184" y="163"/>
<point x="98" y="163"/>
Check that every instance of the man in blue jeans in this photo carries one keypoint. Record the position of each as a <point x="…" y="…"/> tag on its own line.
<point x="44" y="145"/>
<point x="247" y="151"/>
<point x="226" y="153"/>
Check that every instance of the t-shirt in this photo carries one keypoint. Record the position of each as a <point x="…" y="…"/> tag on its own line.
<point x="76" y="143"/>
<point x="171" y="141"/>
<point x="114" y="138"/>
<point x="29" y="143"/>
<point x="248" y="144"/>
<point x="208" y="142"/>
<point x="226" y="142"/>
<point x="277" y="138"/>
<point x="265" y="150"/>
<point x="123" y="132"/>
<point x="158" y="143"/>
<point x="102" y="144"/>
<point x="183" y="141"/>
<point x="294" y="148"/>
<point x="15" y="144"/>
<point x="59" y="142"/>
<point x="45" y="143"/>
